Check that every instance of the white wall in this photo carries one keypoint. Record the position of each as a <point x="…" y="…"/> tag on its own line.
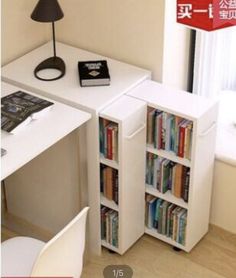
<point x="223" y="208"/>
<point x="176" y="49"/>
<point x="20" y="33"/>
<point x="127" y="30"/>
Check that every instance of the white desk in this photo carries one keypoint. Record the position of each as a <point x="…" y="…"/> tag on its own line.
<point x="38" y="135"/>
<point x="124" y="77"/>
<point x="67" y="89"/>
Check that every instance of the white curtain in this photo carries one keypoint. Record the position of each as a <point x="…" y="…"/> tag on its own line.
<point x="229" y="62"/>
<point x="215" y="62"/>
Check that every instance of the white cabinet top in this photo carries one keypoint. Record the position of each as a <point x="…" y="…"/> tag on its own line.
<point x="121" y="109"/>
<point x="171" y="100"/>
<point x="67" y="89"/>
<point x="38" y="135"/>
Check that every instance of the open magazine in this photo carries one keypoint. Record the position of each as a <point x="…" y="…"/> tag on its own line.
<point x="20" y="108"/>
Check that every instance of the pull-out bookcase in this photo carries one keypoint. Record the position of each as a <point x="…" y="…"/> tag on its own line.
<point x="181" y="130"/>
<point x="122" y="132"/>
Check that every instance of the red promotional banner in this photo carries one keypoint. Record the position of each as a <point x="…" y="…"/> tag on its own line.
<point x="207" y="15"/>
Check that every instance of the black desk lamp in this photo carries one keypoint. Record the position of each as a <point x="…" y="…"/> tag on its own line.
<point x="49" y="11"/>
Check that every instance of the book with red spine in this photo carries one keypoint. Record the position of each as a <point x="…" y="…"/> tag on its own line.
<point x="109" y="142"/>
<point x="181" y="140"/>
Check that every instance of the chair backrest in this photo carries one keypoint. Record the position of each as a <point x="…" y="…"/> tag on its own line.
<point x="63" y="254"/>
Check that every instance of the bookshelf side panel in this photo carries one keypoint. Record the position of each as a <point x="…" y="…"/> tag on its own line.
<point x="93" y="179"/>
<point x="132" y="179"/>
<point x="203" y="155"/>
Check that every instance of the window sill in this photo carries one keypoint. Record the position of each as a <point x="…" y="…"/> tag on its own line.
<point x="226" y="131"/>
<point x="226" y="144"/>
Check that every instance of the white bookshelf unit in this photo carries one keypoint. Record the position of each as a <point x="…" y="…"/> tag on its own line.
<point x="129" y="115"/>
<point x="202" y="113"/>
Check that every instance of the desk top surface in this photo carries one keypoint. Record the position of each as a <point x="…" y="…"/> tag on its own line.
<point x="67" y="89"/>
<point x="38" y="135"/>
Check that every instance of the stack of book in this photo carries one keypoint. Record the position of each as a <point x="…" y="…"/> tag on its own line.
<point x="166" y="218"/>
<point x="109" y="182"/>
<point x="109" y="226"/>
<point x="108" y="135"/>
<point x="165" y="175"/>
<point x="169" y="132"/>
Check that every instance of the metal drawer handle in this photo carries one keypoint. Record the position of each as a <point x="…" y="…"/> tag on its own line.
<point x="136" y="132"/>
<point x="208" y="130"/>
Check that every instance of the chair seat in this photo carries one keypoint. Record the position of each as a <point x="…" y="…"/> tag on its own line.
<point x="19" y="255"/>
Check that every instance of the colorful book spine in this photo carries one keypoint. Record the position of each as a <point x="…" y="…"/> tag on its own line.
<point x="109" y="142"/>
<point x="104" y="210"/>
<point x="115" y="187"/>
<point x="186" y="182"/>
<point x="151" y="211"/>
<point x="164" y="217"/>
<point x="178" y="181"/>
<point x="109" y="180"/>
<point x="108" y="185"/>
<point x="150" y="125"/>
<point x="115" y="143"/>
<point x="160" y="214"/>
<point x="183" y="223"/>
<point x="171" y="207"/>
<point x="157" y="213"/>
<point x="181" y="141"/>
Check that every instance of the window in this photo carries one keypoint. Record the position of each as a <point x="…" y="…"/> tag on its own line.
<point x="215" y="62"/>
<point x="215" y="77"/>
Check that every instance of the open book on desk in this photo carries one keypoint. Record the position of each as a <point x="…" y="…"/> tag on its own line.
<point x="20" y="108"/>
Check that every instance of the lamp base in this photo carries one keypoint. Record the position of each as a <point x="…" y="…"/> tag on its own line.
<point x="51" y="63"/>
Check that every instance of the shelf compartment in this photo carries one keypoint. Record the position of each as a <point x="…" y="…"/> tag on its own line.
<point x="154" y="233"/>
<point x="110" y="226"/>
<point x="108" y="138"/>
<point x="109" y="203"/>
<point x="168" y="196"/>
<point x="111" y="163"/>
<point x="169" y="155"/>
<point x="109" y="183"/>
<point x="166" y="219"/>
<point x="169" y="132"/>
<point x="163" y="175"/>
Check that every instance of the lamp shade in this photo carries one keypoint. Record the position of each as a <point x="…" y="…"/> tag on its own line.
<point x="47" y="11"/>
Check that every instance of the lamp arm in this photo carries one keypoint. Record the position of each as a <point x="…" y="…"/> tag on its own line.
<point x="54" y="41"/>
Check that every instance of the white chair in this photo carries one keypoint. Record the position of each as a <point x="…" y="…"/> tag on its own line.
<point x="61" y="256"/>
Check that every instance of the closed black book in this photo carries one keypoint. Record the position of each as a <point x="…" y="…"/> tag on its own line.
<point x="93" y="73"/>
